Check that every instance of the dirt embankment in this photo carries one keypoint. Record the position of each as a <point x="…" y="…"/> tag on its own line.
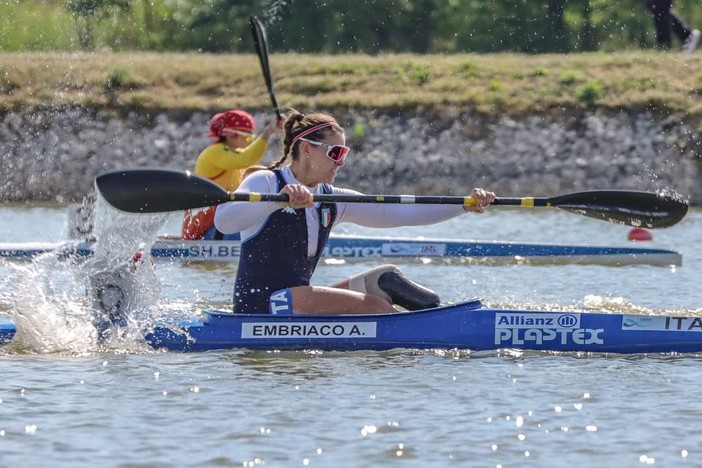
<point x="55" y="154"/>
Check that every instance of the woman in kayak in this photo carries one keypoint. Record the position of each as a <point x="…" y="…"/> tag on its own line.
<point x="223" y="161"/>
<point x="282" y="243"/>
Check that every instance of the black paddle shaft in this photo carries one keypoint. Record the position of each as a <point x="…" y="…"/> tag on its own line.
<point x="261" y="45"/>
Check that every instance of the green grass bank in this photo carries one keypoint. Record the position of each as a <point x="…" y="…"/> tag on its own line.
<point x="492" y="85"/>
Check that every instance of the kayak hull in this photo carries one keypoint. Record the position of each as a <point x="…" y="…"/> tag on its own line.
<point x="364" y="248"/>
<point x="467" y="325"/>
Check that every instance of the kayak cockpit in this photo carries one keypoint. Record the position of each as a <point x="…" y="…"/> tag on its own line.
<point x="212" y="316"/>
<point x="219" y="329"/>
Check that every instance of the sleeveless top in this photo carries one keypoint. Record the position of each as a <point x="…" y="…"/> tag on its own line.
<point x="276" y="257"/>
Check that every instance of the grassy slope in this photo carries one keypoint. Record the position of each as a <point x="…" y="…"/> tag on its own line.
<point x="491" y="84"/>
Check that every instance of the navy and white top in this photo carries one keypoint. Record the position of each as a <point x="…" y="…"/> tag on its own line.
<point x="281" y="246"/>
<point x="277" y="256"/>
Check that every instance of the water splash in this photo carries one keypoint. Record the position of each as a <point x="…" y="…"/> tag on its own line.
<point x="273" y="12"/>
<point x="44" y="301"/>
<point x="55" y="302"/>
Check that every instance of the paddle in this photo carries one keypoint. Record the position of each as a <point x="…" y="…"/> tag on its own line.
<point x="153" y="190"/>
<point x="259" y="38"/>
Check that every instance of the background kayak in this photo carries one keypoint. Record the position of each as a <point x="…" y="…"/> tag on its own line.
<point x="366" y="248"/>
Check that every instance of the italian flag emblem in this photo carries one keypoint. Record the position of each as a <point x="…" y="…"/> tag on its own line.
<point x="326" y="217"/>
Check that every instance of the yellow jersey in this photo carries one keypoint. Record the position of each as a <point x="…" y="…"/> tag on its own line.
<point x="224" y="165"/>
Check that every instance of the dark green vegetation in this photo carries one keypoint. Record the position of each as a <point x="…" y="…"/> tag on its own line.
<point x="332" y="26"/>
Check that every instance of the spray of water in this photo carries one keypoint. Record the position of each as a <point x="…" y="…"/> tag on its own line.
<point x="273" y="11"/>
<point x="102" y="304"/>
<point x="44" y="301"/>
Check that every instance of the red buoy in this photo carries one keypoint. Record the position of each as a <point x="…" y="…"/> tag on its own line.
<point x="639" y="234"/>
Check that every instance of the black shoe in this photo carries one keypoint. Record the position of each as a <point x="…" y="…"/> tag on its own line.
<point x="406" y="293"/>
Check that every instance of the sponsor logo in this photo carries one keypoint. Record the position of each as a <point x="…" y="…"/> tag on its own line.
<point x="355" y="252"/>
<point x="654" y="323"/>
<point x="523" y="328"/>
<point x="208" y="251"/>
<point x="638" y="322"/>
<point x="388" y="249"/>
<point x="308" y="330"/>
<point x="413" y="249"/>
<point x="527" y="320"/>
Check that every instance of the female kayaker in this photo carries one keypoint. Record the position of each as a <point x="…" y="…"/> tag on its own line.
<point x="223" y="161"/>
<point x="282" y="243"/>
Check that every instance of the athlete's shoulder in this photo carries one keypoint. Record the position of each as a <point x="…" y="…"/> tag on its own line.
<point x="262" y="174"/>
<point x="263" y="180"/>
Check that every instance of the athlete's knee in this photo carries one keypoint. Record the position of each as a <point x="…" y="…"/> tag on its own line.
<point x="389" y="283"/>
<point x="377" y="304"/>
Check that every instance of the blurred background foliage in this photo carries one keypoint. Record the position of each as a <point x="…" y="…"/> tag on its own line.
<point x="332" y="26"/>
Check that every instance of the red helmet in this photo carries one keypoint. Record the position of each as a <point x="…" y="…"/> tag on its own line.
<point x="232" y="119"/>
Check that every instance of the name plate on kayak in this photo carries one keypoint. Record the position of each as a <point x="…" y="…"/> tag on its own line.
<point x="414" y="249"/>
<point x="660" y="323"/>
<point x="308" y="330"/>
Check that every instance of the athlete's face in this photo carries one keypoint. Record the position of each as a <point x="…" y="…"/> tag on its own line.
<point x="237" y="139"/>
<point x="322" y="167"/>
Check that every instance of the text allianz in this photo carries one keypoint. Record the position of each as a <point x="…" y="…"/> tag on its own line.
<point x="513" y="329"/>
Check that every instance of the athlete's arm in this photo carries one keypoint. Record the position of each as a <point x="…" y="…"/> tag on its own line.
<point x="217" y="158"/>
<point x="381" y="215"/>
<point x="238" y="216"/>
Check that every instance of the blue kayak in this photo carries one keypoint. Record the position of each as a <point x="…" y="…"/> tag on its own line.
<point x="7" y="331"/>
<point x="366" y="247"/>
<point x="467" y="325"/>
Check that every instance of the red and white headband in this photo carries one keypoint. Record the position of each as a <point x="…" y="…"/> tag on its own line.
<point x="310" y="130"/>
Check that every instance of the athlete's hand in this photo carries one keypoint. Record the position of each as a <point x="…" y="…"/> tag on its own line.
<point x="272" y="128"/>
<point x="299" y="196"/>
<point x="482" y="198"/>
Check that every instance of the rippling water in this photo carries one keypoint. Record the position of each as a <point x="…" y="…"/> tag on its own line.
<point x="66" y="402"/>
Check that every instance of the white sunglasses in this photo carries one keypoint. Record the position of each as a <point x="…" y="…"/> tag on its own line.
<point x="336" y="153"/>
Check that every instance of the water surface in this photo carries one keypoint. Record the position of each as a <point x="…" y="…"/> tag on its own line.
<point x="64" y="401"/>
